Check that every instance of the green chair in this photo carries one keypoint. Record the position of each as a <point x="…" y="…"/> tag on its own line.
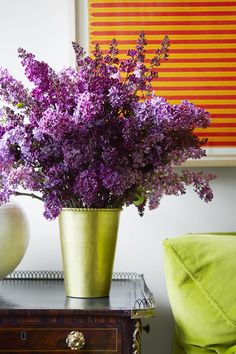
<point x="201" y="282"/>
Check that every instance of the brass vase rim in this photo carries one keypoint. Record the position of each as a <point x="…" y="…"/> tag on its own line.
<point x="91" y="209"/>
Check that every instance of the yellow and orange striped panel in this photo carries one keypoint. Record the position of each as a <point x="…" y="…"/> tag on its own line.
<point x="202" y="62"/>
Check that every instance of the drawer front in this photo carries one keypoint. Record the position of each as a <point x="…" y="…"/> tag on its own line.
<point x="50" y="339"/>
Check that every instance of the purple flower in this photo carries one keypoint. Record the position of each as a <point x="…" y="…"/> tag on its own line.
<point x="97" y="138"/>
<point x="54" y="123"/>
<point x="86" y="186"/>
<point x="88" y="105"/>
<point x="11" y="90"/>
<point x="52" y="205"/>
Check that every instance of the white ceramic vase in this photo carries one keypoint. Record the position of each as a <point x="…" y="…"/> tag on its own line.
<point x="14" y="237"/>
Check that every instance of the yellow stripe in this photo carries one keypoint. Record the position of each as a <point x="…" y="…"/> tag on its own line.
<point x="165" y="14"/>
<point x="163" y="28"/>
<point x="157" y="38"/>
<point x="186" y="93"/>
<point x="223" y="120"/>
<point x="194" y="74"/>
<point x="178" y="46"/>
<point x="204" y="102"/>
<point x="193" y="45"/>
<point x="187" y="17"/>
<point x="194" y="97"/>
<point x="193" y="65"/>
<point x="195" y="83"/>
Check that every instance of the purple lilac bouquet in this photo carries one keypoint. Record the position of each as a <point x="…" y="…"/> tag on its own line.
<point x="98" y="137"/>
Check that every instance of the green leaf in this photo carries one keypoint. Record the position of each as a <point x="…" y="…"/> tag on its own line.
<point x="20" y="105"/>
<point x="139" y="199"/>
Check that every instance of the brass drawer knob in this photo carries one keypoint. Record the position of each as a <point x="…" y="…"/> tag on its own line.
<point x="75" y="340"/>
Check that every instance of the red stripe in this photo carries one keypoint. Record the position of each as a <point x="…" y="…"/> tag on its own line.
<point x="225" y="115"/>
<point x="201" y="50"/>
<point x="196" y="70"/>
<point x="191" y="60"/>
<point x="160" y="4"/>
<point x="160" y="23"/>
<point x="202" y="79"/>
<point x="202" y="41"/>
<point x="218" y="106"/>
<point x="185" y="51"/>
<point x="174" y="41"/>
<point x="223" y="125"/>
<point x="202" y="60"/>
<point x="195" y="88"/>
<point x="203" y="98"/>
<point x="221" y="144"/>
<point x="216" y="134"/>
<point x="166" y="14"/>
<point x="168" y="32"/>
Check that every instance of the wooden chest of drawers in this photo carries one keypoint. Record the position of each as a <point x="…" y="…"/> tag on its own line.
<point x="36" y="317"/>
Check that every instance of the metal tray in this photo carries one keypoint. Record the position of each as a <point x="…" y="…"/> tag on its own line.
<point x="45" y="290"/>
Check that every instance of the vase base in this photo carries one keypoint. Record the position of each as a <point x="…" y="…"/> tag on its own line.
<point x="87" y="297"/>
<point x="86" y="294"/>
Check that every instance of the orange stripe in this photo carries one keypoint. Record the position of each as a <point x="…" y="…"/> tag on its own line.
<point x="202" y="50"/>
<point x="202" y="41"/>
<point x="159" y="13"/>
<point x="161" y="23"/>
<point x="202" y="79"/>
<point x="196" y="70"/>
<point x="186" y="51"/>
<point x="160" y="32"/>
<point x="174" y="41"/>
<point x="197" y="88"/>
<point x="203" y="60"/>
<point x="203" y="98"/>
<point x="196" y="60"/>
<point x="221" y="144"/>
<point x="189" y="50"/>
<point x="218" y="106"/>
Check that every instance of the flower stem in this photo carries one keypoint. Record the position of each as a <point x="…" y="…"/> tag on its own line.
<point x="27" y="195"/>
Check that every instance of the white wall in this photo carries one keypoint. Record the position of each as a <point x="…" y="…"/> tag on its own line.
<point x="45" y="27"/>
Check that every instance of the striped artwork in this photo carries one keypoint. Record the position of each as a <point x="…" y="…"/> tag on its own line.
<point x="202" y="62"/>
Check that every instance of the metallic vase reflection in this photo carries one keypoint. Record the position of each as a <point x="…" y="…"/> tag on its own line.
<point x="88" y="243"/>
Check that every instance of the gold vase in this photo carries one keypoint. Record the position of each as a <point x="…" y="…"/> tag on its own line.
<point x="88" y="243"/>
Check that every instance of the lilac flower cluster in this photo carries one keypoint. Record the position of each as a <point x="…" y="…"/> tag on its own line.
<point x="98" y="137"/>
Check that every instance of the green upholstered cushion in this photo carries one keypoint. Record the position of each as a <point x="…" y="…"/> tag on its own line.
<point x="201" y="281"/>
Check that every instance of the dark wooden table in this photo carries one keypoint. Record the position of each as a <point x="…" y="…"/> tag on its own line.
<point x="37" y="317"/>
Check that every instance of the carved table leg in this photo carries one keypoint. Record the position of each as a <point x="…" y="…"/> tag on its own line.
<point x="137" y="338"/>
